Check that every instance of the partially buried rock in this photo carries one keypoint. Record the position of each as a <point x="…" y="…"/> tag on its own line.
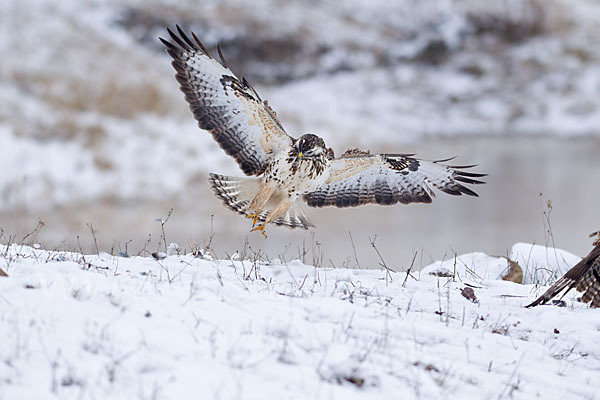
<point x="469" y="294"/>
<point x="2" y="273"/>
<point x="515" y="272"/>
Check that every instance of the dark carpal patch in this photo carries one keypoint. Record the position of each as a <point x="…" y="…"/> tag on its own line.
<point x="330" y="154"/>
<point x="242" y="88"/>
<point x="355" y="153"/>
<point x="400" y="163"/>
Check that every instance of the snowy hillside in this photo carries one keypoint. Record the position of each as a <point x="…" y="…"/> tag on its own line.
<point x="91" y="327"/>
<point x="89" y="109"/>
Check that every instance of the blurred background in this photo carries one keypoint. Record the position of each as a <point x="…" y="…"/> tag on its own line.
<point x="94" y="130"/>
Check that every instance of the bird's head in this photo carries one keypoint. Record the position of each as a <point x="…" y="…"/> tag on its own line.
<point x="310" y="146"/>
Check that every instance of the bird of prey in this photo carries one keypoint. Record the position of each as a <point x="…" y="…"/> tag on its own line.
<point x="286" y="170"/>
<point x="584" y="277"/>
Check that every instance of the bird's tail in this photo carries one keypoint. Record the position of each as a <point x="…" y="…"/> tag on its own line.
<point x="237" y="194"/>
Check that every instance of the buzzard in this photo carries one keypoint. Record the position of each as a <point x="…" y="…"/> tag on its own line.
<point x="584" y="277"/>
<point x="287" y="170"/>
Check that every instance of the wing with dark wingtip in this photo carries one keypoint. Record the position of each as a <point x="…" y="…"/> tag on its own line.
<point x="584" y="277"/>
<point x="243" y="125"/>
<point x="359" y="178"/>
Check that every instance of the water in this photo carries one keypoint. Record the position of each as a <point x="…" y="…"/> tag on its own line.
<point x="524" y="173"/>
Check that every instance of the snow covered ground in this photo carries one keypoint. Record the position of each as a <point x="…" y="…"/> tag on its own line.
<point x="94" y="129"/>
<point x="93" y="327"/>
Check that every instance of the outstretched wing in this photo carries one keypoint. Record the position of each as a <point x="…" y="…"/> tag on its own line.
<point x="243" y="125"/>
<point x="584" y="276"/>
<point x="360" y="178"/>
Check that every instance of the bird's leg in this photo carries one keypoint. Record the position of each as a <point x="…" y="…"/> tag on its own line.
<point x="277" y="212"/>
<point x="259" y="201"/>
<point x="254" y="217"/>
<point x="260" y="228"/>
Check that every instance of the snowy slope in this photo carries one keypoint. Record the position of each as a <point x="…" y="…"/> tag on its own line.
<point x="90" y="327"/>
<point x="89" y="109"/>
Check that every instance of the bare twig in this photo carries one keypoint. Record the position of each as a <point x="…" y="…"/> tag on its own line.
<point x="33" y="234"/>
<point x="163" y="236"/>
<point x="145" y="248"/>
<point x="317" y="252"/>
<point x="81" y="250"/>
<point x="292" y="276"/>
<point x="186" y="264"/>
<point x="303" y="281"/>
<point x="302" y="253"/>
<point x="354" y="249"/>
<point x="55" y="250"/>
<point x="10" y="240"/>
<point x="409" y="269"/>
<point x="548" y="226"/>
<point x="511" y="386"/>
<point x="127" y="245"/>
<point x="382" y="263"/>
<point x="163" y="268"/>
<point x="282" y="256"/>
<point x="89" y="225"/>
<point x="212" y="232"/>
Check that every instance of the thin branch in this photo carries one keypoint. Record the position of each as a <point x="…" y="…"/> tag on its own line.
<point x="145" y="248"/>
<point x="382" y="263"/>
<point x="89" y="225"/>
<point x="212" y="233"/>
<point x="354" y="249"/>
<point x="163" y="236"/>
<point x="409" y="269"/>
<point x="33" y="234"/>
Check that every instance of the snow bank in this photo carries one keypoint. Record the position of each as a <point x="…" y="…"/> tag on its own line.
<point x="471" y="268"/>
<point x="83" y="326"/>
<point x="542" y="265"/>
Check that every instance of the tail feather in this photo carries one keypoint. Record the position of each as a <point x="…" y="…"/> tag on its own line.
<point x="237" y="194"/>
<point x="295" y="218"/>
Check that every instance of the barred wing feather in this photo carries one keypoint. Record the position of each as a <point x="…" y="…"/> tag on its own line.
<point x="389" y="179"/>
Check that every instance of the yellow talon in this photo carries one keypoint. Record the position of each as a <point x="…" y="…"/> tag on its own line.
<point x="260" y="228"/>
<point x="254" y="217"/>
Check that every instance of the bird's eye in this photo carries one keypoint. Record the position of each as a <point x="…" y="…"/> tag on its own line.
<point x="310" y="153"/>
